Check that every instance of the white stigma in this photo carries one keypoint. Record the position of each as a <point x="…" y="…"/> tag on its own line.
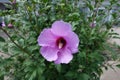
<point x="60" y="45"/>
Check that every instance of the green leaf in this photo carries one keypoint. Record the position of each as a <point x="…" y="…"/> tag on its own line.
<point x="33" y="75"/>
<point x="116" y="37"/>
<point x="40" y="72"/>
<point x="32" y="48"/>
<point x="71" y="75"/>
<point x="58" y="67"/>
<point x="14" y="50"/>
<point x="118" y="65"/>
<point x="2" y="39"/>
<point x="83" y="77"/>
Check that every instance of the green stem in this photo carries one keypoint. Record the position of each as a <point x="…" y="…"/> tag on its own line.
<point x="36" y="19"/>
<point x="29" y="15"/>
<point x="95" y="13"/>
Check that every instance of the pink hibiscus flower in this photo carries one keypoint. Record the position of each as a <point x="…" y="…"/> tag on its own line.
<point x="59" y="43"/>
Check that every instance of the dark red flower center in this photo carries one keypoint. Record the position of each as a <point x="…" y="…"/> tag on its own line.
<point x="61" y="42"/>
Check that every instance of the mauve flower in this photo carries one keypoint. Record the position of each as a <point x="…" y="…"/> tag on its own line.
<point x="3" y="24"/>
<point x="59" y="43"/>
<point x="10" y="25"/>
<point x="93" y="24"/>
<point x="14" y="2"/>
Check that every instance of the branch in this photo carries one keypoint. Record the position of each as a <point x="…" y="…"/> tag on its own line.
<point x="14" y="41"/>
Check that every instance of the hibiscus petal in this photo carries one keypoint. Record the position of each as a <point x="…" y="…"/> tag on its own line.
<point x="64" y="56"/>
<point x="49" y="53"/>
<point x="72" y="42"/>
<point x="47" y="38"/>
<point x="61" y="28"/>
